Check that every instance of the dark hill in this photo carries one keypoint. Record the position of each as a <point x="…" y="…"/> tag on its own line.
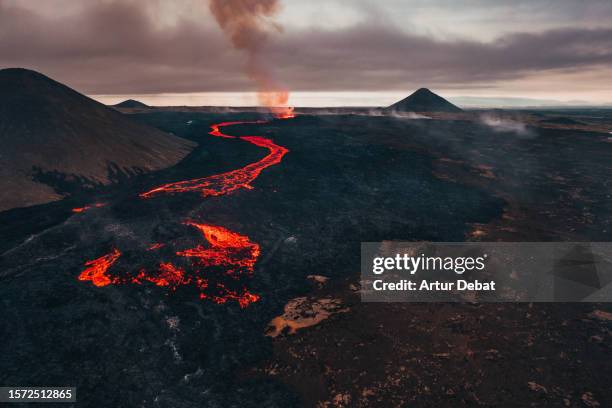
<point x="46" y="127"/>
<point x="423" y="100"/>
<point x="131" y="103"/>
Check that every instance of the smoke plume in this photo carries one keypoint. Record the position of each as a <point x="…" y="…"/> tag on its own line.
<point x="248" y="24"/>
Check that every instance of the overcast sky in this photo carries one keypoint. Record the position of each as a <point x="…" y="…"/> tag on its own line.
<point x="330" y="52"/>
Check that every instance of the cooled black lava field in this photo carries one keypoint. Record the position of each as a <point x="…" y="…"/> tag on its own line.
<point x="345" y="179"/>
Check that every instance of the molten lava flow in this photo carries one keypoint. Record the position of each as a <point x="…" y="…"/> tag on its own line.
<point x="154" y="246"/>
<point x="167" y="275"/>
<point x="244" y="298"/>
<point x="225" y="183"/>
<point x="87" y="207"/>
<point x="230" y="255"/>
<point x="96" y="271"/>
<point x="216" y="128"/>
<point x="217" y="270"/>
<point x="234" y="252"/>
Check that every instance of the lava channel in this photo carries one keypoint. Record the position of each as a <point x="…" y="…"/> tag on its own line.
<point x="225" y="183"/>
<point x="218" y="269"/>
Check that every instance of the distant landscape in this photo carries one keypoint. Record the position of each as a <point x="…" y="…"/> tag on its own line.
<point x="421" y="169"/>
<point x="190" y="193"/>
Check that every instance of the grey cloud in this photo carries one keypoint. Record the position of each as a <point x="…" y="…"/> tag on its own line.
<point x="116" y="47"/>
<point x="375" y="57"/>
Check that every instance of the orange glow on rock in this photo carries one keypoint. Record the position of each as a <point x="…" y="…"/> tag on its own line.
<point x="286" y="113"/>
<point x="167" y="275"/>
<point x="277" y="101"/>
<point x="217" y="271"/>
<point x="244" y="299"/>
<point x="234" y="252"/>
<point x="97" y="268"/>
<point x="87" y="207"/>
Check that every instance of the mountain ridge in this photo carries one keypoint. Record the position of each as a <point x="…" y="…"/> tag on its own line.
<point x="131" y="103"/>
<point x="423" y="100"/>
<point x="47" y="127"/>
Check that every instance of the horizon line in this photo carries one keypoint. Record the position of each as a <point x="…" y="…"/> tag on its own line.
<point x="340" y="99"/>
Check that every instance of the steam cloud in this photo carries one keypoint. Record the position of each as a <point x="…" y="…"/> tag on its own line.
<point x="248" y="25"/>
<point x="510" y="125"/>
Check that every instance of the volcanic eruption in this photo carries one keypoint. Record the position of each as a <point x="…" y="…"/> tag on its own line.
<point x="247" y="24"/>
<point x="232" y="254"/>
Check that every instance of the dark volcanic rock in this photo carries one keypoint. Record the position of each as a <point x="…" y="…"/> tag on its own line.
<point x="423" y="100"/>
<point x="131" y="103"/>
<point x="347" y="179"/>
<point x="46" y="127"/>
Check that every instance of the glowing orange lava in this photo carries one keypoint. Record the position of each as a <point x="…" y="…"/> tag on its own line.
<point x="97" y="268"/>
<point x="217" y="269"/>
<point x="87" y="207"/>
<point x="287" y="113"/>
<point x="229" y="255"/>
<point x="234" y="252"/>
<point x="167" y="275"/>
<point x="276" y="100"/>
<point x="225" y="183"/>
<point x="216" y="128"/>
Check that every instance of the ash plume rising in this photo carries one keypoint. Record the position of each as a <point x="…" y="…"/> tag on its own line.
<point x="248" y="25"/>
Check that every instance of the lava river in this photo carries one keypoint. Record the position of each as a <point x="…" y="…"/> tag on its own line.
<point x="218" y="269"/>
<point x="225" y="183"/>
